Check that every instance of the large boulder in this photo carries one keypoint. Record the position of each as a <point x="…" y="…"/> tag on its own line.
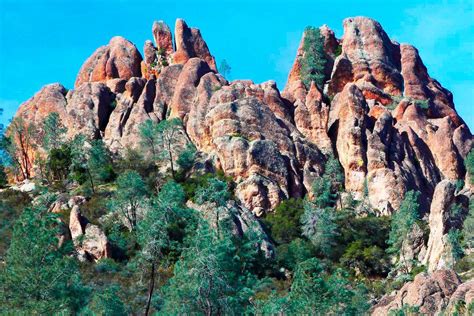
<point x="429" y="292"/>
<point x="368" y="55"/>
<point x="88" y="239"/>
<point x="119" y="59"/>
<point x="348" y="122"/>
<point x="189" y="44"/>
<point x="89" y="107"/>
<point x="447" y="212"/>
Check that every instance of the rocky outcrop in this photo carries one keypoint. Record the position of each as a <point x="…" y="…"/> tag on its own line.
<point x="272" y="144"/>
<point x="429" y="292"/>
<point x="89" y="240"/>
<point x="162" y="36"/>
<point x="189" y="43"/>
<point x="89" y="108"/>
<point x="254" y="143"/>
<point x="311" y="118"/>
<point x="464" y="294"/>
<point x="368" y="55"/>
<point x="51" y="98"/>
<point x="348" y="121"/>
<point x="119" y="59"/>
<point x="447" y="212"/>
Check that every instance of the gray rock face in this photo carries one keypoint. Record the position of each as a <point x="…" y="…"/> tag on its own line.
<point x="429" y="292"/>
<point x="89" y="107"/>
<point x="89" y="240"/>
<point x="442" y="219"/>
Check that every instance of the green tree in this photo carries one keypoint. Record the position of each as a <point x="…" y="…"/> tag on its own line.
<point x="59" y="162"/>
<point x="468" y="227"/>
<point x="284" y="222"/>
<point x="90" y="161"/>
<point x="403" y="221"/>
<point x="202" y="281"/>
<point x="129" y="197"/>
<point x="314" y="290"/>
<point x="186" y="158"/>
<point x="224" y="68"/>
<point x="53" y="132"/>
<point x="320" y="227"/>
<point x="107" y="302"/>
<point x="214" y="192"/>
<point x="469" y="162"/>
<point x="161" y="139"/>
<point x="314" y="60"/>
<point x="154" y="231"/>
<point x="325" y="188"/>
<point x="40" y="277"/>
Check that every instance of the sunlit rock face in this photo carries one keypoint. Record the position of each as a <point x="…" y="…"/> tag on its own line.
<point x="391" y="126"/>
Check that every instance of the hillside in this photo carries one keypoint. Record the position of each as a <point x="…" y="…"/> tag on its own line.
<point x="157" y="185"/>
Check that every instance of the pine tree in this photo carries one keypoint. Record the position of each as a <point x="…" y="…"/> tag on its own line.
<point x="161" y="139"/>
<point x="106" y="302"/>
<point x="91" y="161"/>
<point x="403" y="221"/>
<point x="40" y="277"/>
<point x="202" y="282"/>
<point x="320" y="227"/>
<point x="224" y="68"/>
<point x="154" y="231"/>
<point x="53" y="132"/>
<point x="129" y="197"/>
<point x="314" y="60"/>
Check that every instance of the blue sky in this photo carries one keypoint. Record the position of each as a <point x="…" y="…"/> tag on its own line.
<point x="47" y="41"/>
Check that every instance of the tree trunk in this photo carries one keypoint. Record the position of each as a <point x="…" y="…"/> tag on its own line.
<point x="91" y="180"/>
<point x="151" y="287"/>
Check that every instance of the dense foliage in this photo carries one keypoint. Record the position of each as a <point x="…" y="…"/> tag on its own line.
<point x="180" y="244"/>
<point x="314" y="59"/>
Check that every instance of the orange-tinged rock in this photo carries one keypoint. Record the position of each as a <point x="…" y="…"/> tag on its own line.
<point x="189" y="44"/>
<point x="119" y="59"/>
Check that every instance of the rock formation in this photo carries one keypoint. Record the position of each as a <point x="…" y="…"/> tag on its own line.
<point x="119" y="59"/>
<point x="392" y="127"/>
<point x="431" y="293"/>
<point x="446" y="213"/>
<point x="88" y="239"/>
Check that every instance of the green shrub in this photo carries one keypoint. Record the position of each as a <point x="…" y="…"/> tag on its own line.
<point x="107" y="265"/>
<point x="12" y="204"/>
<point x="290" y="255"/>
<point x="338" y="50"/>
<point x="368" y="260"/>
<point x="284" y="222"/>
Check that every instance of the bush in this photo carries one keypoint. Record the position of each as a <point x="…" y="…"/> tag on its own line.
<point x="12" y="204"/>
<point x="368" y="260"/>
<point x="284" y="222"/>
<point x="290" y="255"/>
<point x="106" y="265"/>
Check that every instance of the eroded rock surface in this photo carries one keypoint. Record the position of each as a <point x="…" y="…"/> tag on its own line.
<point x="119" y="59"/>
<point x="429" y="292"/>
<point x="391" y="126"/>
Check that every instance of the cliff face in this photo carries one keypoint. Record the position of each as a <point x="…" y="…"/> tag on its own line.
<point x="273" y="144"/>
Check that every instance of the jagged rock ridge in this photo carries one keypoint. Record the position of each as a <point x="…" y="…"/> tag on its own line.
<point x="272" y="143"/>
